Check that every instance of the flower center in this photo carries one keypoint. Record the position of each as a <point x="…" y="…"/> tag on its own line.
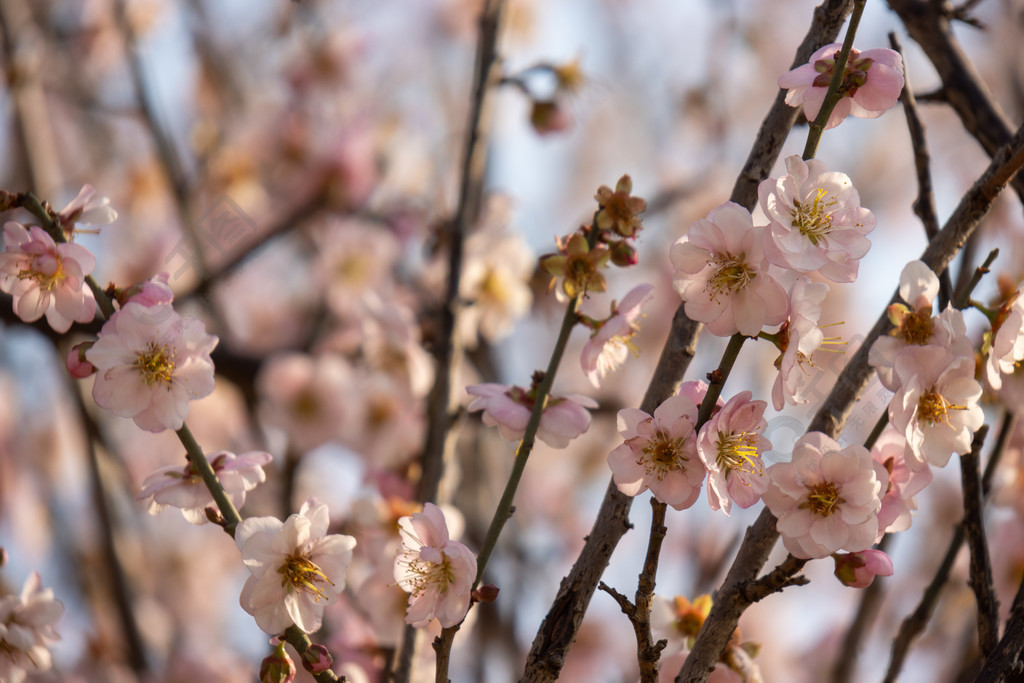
<point x="823" y="498"/>
<point x="47" y="270"/>
<point x="663" y="455"/>
<point x="933" y="408"/>
<point x="426" y="574"/>
<point x="916" y="327"/>
<point x="302" y="574"/>
<point x="739" y="452"/>
<point x="814" y="219"/>
<point x="155" y="365"/>
<point x="731" y="275"/>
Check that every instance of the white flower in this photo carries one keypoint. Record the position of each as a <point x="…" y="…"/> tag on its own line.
<point x="1007" y="344"/>
<point x="437" y="571"/>
<point x="26" y="630"/>
<point x="297" y="569"/>
<point x="611" y="341"/>
<point x="800" y="337"/>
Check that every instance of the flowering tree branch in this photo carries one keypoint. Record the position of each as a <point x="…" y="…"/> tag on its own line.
<point x="761" y="536"/>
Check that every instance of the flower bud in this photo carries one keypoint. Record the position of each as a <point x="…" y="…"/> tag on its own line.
<point x="76" y="363"/>
<point x="858" y="570"/>
<point x="623" y="254"/>
<point x="278" y="667"/>
<point x="316" y="659"/>
<point x="486" y="593"/>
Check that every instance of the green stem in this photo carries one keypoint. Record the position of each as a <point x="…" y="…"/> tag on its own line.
<point x="718" y="377"/>
<point x="833" y="95"/>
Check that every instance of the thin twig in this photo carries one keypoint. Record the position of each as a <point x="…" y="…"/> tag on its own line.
<point x="981" y="564"/>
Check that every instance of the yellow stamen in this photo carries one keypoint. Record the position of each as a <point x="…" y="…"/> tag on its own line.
<point x="663" y="455"/>
<point x="155" y="364"/>
<point x="814" y="220"/>
<point x="823" y="498"/>
<point x="302" y="574"/>
<point x="731" y="275"/>
<point x="739" y="452"/>
<point x="933" y="408"/>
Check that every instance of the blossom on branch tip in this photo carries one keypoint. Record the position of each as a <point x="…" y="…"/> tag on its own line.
<point x="150" y="362"/>
<point x="296" y="568"/>
<point x="659" y="453"/>
<point x="610" y="342"/>
<point x="27" y="630"/>
<point x="509" y="407"/>
<point x="183" y="487"/>
<point x="730" y="445"/>
<point x="578" y="265"/>
<point x="827" y="498"/>
<point x="86" y="209"/>
<point x="816" y="222"/>
<point x="437" y="571"/>
<point x="722" y="275"/>
<point x="619" y="212"/>
<point x="46" y="278"/>
<point x="871" y="84"/>
<point x="859" y="569"/>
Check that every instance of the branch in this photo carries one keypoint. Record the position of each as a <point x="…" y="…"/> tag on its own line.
<point x="830" y="418"/>
<point x="981" y="563"/>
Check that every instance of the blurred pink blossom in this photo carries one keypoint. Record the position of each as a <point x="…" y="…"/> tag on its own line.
<point x="610" y="342"/>
<point x="437" y="571"/>
<point x="76" y="363"/>
<point x="182" y="487"/>
<point x="154" y="291"/>
<point x="722" y="275"/>
<point x="509" y="407"/>
<point x="1007" y="344"/>
<point x="659" y="453"/>
<point x="730" y="445"/>
<point x="297" y="569"/>
<point x="936" y="406"/>
<point x="799" y="337"/>
<point x="150" y="362"/>
<point x="87" y="209"/>
<point x="27" y="630"/>
<point x="44" y="277"/>
<point x="827" y="498"/>
<point x="816" y="222"/>
<point x="871" y="85"/>
<point x="859" y="569"/>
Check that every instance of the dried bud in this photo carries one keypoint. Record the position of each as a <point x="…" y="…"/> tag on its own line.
<point x="548" y="116"/>
<point x="619" y="212"/>
<point x="486" y="593"/>
<point x="623" y="254"/>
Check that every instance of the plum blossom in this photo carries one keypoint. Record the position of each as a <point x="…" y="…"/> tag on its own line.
<point x="611" y="340"/>
<point x="86" y="209"/>
<point x="437" y="571"/>
<point x="871" y="85"/>
<point x="659" y="453"/>
<point x="827" y="498"/>
<point x="27" y="630"/>
<point x="798" y="338"/>
<point x="150" y="362"/>
<point x="154" y="291"/>
<point x="936" y="406"/>
<point x="509" y="407"/>
<point x="816" y="222"/>
<point x="722" y="275"/>
<point x="858" y="570"/>
<point x="915" y="327"/>
<point x="46" y="278"/>
<point x="183" y="487"/>
<point x="898" y="502"/>
<point x="296" y="568"/>
<point x="1006" y="342"/>
<point x="730" y="445"/>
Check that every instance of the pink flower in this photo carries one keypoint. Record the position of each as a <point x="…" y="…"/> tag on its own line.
<point x="157" y="290"/>
<point x="26" y="630"/>
<point x="611" y="341"/>
<point x="660" y="453"/>
<point x="86" y="209"/>
<point x="150" y="362"/>
<point x="914" y="325"/>
<point x="871" y="85"/>
<point x="296" y="568"/>
<point x="730" y="445"/>
<point x="437" y="571"/>
<point x="816" y="222"/>
<point x="696" y="390"/>
<point x="78" y="367"/>
<point x="799" y="338"/>
<point x="44" y="277"/>
<point x="509" y="407"/>
<point x="182" y="487"/>
<point x="827" y="498"/>
<point x="858" y="570"/>
<point x="936" y="406"/>
<point x="722" y="275"/>
<point x="1007" y="344"/>
<point x="898" y="503"/>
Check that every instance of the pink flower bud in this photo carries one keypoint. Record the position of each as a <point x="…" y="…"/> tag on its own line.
<point x="486" y="593"/>
<point x="277" y="667"/>
<point x="859" y="569"/>
<point x="317" y="659"/>
<point x="78" y="367"/>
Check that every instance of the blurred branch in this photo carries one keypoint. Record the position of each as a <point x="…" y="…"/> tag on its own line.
<point x="830" y="418"/>
<point x="981" y="563"/>
<point x="558" y="630"/>
<point x="924" y="205"/>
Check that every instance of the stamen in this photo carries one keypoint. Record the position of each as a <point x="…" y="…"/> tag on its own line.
<point x="304" y="575"/>
<point x="933" y="408"/>
<point x="664" y="455"/>
<point x="739" y="452"/>
<point x="732" y="274"/>
<point x="823" y="498"/>
<point x="814" y="220"/>
<point x="155" y="365"/>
